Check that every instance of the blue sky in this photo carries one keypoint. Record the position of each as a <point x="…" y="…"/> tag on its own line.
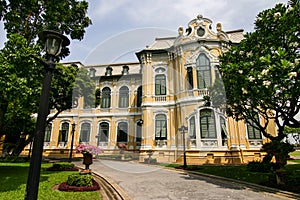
<point x="123" y="27"/>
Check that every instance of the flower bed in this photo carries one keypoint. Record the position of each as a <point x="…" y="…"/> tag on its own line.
<point x="68" y="188"/>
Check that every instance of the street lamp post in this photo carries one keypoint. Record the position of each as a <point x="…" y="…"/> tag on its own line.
<point x="72" y="142"/>
<point x="183" y="129"/>
<point x="53" y="44"/>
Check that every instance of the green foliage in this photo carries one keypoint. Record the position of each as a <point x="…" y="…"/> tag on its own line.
<point x="20" y="78"/>
<point x="98" y="97"/>
<point x="257" y="166"/>
<point x="288" y="129"/>
<point x="261" y="74"/>
<point x="62" y="166"/>
<point x="80" y="180"/>
<point x="150" y="160"/>
<point x="13" y="159"/>
<point x="20" y="75"/>
<point x="277" y="147"/>
<point x="85" y="87"/>
<point x="29" y="18"/>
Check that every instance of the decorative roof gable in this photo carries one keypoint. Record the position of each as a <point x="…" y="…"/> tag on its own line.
<point x="200" y="29"/>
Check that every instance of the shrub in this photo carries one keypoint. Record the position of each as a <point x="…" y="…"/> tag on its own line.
<point x="257" y="166"/>
<point x="150" y="160"/>
<point x="80" y="180"/>
<point x="62" y="167"/>
<point x="13" y="159"/>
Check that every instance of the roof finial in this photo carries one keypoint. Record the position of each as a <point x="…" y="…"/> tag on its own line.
<point x="219" y="27"/>
<point x="199" y="16"/>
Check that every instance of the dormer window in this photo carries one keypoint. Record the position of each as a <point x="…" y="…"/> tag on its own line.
<point x="92" y="72"/>
<point x="125" y="70"/>
<point x="108" y="71"/>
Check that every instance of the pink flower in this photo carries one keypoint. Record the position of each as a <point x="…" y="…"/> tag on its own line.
<point x="81" y="148"/>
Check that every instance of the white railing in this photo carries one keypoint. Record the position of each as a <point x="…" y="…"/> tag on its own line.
<point x="160" y="98"/>
<point x="46" y="145"/>
<point x="161" y="143"/>
<point x="209" y="142"/>
<point x="255" y="142"/>
<point x="203" y="92"/>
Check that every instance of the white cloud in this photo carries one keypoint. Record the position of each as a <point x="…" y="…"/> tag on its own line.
<point x="113" y="17"/>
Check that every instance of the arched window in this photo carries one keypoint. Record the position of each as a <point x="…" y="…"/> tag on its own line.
<point x="64" y="132"/>
<point x="203" y="72"/>
<point x="85" y="132"/>
<point x="160" y="85"/>
<point x="207" y="124"/>
<point x="105" y="103"/>
<point x="192" y="128"/>
<point x="252" y="130"/>
<point x="123" y="97"/>
<point x="160" y="127"/>
<point x="122" y="132"/>
<point x="48" y="133"/>
<point x="103" y="133"/>
<point x="139" y="97"/>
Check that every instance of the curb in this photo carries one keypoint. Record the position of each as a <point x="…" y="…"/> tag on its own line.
<point x="269" y="190"/>
<point x="111" y="190"/>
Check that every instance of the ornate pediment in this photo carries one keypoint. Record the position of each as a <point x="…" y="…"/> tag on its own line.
<point x="200" y="29"/>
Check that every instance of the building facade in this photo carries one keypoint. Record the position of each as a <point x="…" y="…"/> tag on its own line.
<point x="143" y="104"/>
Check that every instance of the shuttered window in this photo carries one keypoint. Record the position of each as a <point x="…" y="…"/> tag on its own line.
<point x="207" y="124"/>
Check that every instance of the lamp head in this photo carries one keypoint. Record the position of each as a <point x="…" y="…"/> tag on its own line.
<point x="54" y="41"/>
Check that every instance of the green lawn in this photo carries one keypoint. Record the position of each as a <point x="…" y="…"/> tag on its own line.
<point x="295" y="153"/>
<point x="13" y="178"/>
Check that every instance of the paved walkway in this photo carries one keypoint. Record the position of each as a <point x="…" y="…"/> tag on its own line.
<point x="143" y="182"/>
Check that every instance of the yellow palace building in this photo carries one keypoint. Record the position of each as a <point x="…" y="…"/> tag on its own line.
<point x="143" y="104"/>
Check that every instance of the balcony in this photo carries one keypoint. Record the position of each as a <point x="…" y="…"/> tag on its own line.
<point x="161" y="143"/>
<point x="255" y="143"/>
<point x="203" y="92"/>
<point x="209" y="142"/>
<point x="160" y="98"/>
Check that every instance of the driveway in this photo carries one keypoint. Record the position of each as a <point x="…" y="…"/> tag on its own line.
<point x="143" y="182"/>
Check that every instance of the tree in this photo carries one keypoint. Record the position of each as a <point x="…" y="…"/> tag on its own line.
<point x="262" y="74"/>
<point x="21" y="76"/>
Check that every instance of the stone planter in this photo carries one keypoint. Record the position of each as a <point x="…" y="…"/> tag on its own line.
<point x="87" y="160"/>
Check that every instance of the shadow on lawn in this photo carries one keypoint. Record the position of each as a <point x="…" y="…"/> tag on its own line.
<point x="12" y="177"/>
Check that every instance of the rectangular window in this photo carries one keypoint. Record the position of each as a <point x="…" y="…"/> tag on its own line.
<point x="160" y="85"/>
<point x="253" y="132"/>
<point x="48" y="133"/>
<point x="122" y="132"/>
<point x="160" y="127"/>
<point x="138" y="133"/>
<point x="192" y="129"/>
<point x="190" y="78"/>
<point x="85" y="132"/>
<point x="207" y="124"/>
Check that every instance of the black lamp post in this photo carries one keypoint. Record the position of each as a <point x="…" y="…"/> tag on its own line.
<point x="53" y="44"/>
<point x="183" y="129"/>
<point x="72" y="142"/>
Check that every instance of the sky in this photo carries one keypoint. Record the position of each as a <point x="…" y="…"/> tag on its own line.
<point x="121" y="28"/>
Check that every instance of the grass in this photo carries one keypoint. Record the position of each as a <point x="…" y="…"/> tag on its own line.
<point x="295" y="153"/>
<point x="295" y="161"/>
<point x="13" y="178"/>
